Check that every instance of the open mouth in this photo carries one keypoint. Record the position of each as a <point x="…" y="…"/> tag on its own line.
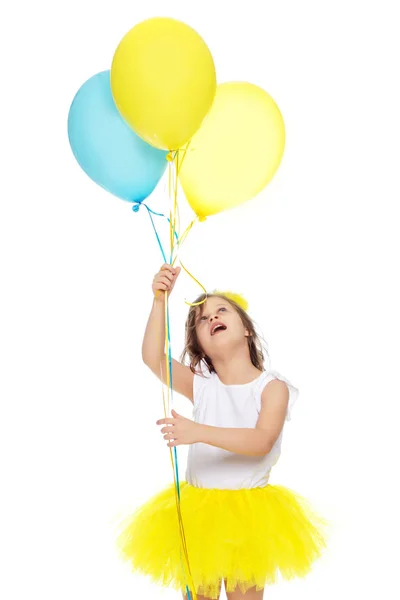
<point x="218" y="328"/>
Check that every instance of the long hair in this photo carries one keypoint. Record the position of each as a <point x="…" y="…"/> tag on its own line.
<point x="193" y="350"/>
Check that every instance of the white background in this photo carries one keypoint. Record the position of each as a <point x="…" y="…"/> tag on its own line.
<point x="316" y="255"/>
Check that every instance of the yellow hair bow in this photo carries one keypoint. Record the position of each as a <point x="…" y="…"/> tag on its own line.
<point x="238" y="298"/>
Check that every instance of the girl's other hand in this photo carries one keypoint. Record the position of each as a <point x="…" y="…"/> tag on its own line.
<point x="180" y="430"/>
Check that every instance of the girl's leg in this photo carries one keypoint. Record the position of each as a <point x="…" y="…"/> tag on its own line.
<point x="251" y="594"/>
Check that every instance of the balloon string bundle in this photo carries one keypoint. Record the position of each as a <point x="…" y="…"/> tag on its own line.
<point x="175" y="164"/>
<point x="174" y="223"/>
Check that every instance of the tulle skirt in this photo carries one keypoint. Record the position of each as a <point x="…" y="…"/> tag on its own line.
<point x="248" y="537"/>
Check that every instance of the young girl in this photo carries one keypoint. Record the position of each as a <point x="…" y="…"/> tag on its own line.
<point x="238" y="528"/>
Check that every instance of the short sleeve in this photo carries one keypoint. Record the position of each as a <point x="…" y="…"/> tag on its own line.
<point x="293" y="391"/>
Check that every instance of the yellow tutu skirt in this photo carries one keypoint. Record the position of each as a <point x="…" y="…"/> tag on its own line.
<point x="246" y="537"/>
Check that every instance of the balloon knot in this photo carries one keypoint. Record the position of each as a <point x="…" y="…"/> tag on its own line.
<point x="170" y="157"/>
<point x="201" y="219"/>
<point x="136" y="207"/>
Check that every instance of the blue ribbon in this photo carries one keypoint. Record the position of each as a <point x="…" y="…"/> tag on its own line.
<point x="136" y="208"/>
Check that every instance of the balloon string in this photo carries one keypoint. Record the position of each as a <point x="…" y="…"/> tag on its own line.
<point x="186" y="232"/>
<point x="182" y="239"/>
<point x="184" y="151"/>
<point x="176" y="472"/>
<point x="202" y="286"/>
<point x="180" y="242"/>
<point x="167" y="411"/>
<point x="135" y="208"/>
<point x="173" y="185"/>
<point x="173" y="189"/>
<point x="174" y="216"/>
<point x="176" y="163"/>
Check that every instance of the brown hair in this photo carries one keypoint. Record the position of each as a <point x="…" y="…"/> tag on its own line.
<point x="193" y="349"/>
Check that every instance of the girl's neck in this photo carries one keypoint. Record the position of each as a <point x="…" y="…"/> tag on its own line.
<point x="235" y="372"/>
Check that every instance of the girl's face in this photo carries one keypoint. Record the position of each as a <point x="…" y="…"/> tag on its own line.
<point x="212" y="339"/>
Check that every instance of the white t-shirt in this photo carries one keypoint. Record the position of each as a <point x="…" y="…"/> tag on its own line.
<point x="215" y="403"/>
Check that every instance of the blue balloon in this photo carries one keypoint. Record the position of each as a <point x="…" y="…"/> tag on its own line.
<point x="107" y="149"/>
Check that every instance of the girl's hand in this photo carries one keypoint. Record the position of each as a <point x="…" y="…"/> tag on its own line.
<point x="180" y="430"/>
<point x="164" y="280"/>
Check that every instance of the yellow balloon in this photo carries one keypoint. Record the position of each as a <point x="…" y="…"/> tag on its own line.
<point x="163" y="81"/>
<point x="236" y="152"/>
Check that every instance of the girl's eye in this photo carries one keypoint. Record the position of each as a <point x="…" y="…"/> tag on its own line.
<point x="204" y="317"/>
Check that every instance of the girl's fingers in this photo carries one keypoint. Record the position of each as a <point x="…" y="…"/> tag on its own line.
<point x="165" y="280"/>
<point x="167" y="267"/>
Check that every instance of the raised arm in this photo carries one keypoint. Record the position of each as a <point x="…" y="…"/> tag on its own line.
<point x="153" y="347"/>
